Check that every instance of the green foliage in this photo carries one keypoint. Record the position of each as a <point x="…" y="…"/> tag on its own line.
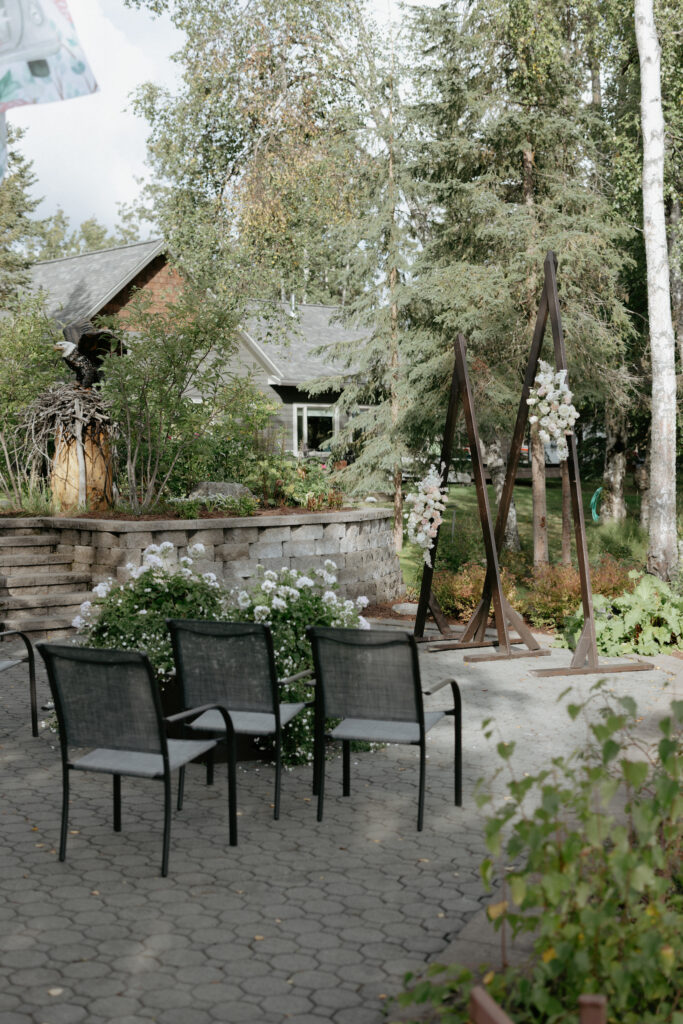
<point x="190" y="508"/>
<point x="132" y="615"/>
<point x="459" y="592"/>
<point x="55" y="238"/>
<point x="17" y="227"/>
<point x="231" y="444"/>
<point x="283" y="480"/>
<point x="625" y="541"/>
<point x="554" y="591"/>
<point x="171" y="357"/>
<point x="649" y="620"/>
<point x="289" y="601"/>
<point x="28" y="363"/>
<point x="595" y="845"/>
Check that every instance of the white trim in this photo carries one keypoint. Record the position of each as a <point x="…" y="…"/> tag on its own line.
<point x="305" y="407"/>
<point x="267" y="363"/>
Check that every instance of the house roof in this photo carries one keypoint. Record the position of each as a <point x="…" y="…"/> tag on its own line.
<point x="78" y="287"/>
<point x="292" y="360"/>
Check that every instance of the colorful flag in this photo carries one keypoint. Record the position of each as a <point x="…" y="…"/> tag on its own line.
<point x="41" y="60"/>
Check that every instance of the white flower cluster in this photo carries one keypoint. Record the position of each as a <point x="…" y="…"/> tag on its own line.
<point x="429" y="502"/>
<point x="551" y="404"/>
<point x="155" y="557"/>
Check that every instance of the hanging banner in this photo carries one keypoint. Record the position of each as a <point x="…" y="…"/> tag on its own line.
<point x="41" y="59"/>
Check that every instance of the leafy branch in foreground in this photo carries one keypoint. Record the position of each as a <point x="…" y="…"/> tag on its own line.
<point x="596" y="848"/>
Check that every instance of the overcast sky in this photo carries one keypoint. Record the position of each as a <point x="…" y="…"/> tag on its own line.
<point x="88" y="152"/>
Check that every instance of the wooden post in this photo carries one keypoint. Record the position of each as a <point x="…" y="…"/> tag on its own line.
<point x="504" y="614"/>
<point x="585" y="659"/>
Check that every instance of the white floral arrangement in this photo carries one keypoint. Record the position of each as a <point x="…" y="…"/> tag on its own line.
<point x="426" y="515"/>
<point x="551" y="403"/>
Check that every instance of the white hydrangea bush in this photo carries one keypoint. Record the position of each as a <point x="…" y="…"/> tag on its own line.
<point x="288" y="601"/>
<point x="550" y="402"/>
<point x="132" y="615"/>
<point x="426" y="515"/>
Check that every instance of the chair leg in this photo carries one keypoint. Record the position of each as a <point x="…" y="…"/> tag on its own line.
<point x="209" y="767"/>
<point x="232" y="789"/>
<point x="167" y="824"/>
<point x="458" y="761"/>
<point x="181" y="788"/>
<point x="457" y="757"/>
<point x="65" y="812"/>
<point x="421" y="796"/>
<point x="278" y="775"/>
<point x="117" y="803"/>
<point x="346" y="767"/>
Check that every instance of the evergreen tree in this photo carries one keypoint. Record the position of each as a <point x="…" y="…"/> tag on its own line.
<point x="514" y="172"/>
<point x="17" y="228"/>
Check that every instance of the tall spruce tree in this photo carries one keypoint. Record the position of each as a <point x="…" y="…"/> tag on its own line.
<point x="17" y="227"/>
<point x="514" y="172"/>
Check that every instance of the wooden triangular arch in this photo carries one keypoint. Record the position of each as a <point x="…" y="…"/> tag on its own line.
<point x="505" y="616"/>
<point x="585" y="659"/>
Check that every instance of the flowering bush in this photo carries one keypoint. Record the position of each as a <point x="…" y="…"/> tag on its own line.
<point x="551" y="402"/>
<point x="460" y="593"/>
<point x="288" y="601"/>
<point x="429" y="502"/>
<point x="132" y="615"/>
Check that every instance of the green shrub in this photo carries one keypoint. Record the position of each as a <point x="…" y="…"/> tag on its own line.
<point x="646" y="621"/>
<point x="191" y="508"/>
<point x="555" y="590"/>
<point x="459" y="593"/>
<point x="289" y="601"/>
<point x="132" y="615"/>
<point x="595" y="846"/>
<point x="283" y="480"/>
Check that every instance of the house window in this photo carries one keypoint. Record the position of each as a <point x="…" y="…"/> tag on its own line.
<point x="314" y="427"/>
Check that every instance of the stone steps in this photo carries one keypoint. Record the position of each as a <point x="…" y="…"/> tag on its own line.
<point x="39" y="593"/>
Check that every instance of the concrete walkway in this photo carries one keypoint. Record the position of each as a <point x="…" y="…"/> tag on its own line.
<point x="302" y="922"/>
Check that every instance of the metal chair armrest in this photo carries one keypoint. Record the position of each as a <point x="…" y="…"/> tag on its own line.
<point x="183" y="716"/>
<point x="435" y="687"/>
<point x="30" y="657"/>
<point x="299" y="675"/>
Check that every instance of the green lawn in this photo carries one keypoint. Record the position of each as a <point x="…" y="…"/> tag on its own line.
<point x="462" y="503"/>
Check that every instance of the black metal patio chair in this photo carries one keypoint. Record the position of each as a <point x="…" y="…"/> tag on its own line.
<point x="108" y="702"/>
<point x="10" y="660"/>
<point x="233" y="664"/>
<point x="371" y="681"/>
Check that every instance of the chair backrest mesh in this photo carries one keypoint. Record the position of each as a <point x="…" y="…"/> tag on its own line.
<point x="229" y="663"/>
<point x="367" y="674"/>
<point x="104" y="698"/>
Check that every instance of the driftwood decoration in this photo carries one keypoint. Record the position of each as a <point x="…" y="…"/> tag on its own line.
<point x="505" y="615"/>
<point x="76" y="421"/>
<point x="585" y="659"/>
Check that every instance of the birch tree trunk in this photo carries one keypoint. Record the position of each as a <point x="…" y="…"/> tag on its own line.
<point x="567" y="517"/>
<point x="675" y="233"/>
<point x="496" y="465"/>
<point x="662" y="555"/>
<point x="540" y="514"/>
<point x="612" y="504"/>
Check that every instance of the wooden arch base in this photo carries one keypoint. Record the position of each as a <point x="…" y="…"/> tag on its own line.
<point x="505" y="616"/>
<point x="585" y="660"/>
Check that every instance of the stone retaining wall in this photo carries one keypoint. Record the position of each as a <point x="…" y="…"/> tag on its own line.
<point x="359" y="541"/>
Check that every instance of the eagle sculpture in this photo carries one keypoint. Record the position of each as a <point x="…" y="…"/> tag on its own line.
<point x="85" y="369"/>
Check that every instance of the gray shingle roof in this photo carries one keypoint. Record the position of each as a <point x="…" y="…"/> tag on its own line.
<point x="292" y="358"/>
<point x="77" y="287"/>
